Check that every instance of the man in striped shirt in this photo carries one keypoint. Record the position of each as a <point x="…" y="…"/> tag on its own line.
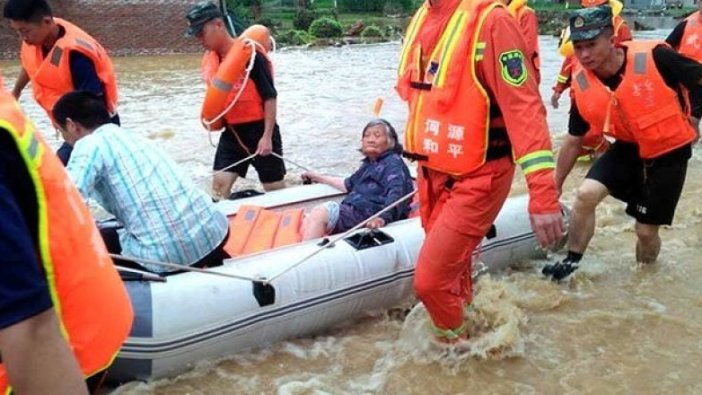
<point x="165" y="217"/>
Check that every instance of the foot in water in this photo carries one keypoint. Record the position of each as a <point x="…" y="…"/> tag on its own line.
<point x="560" y="270"/>
<point x="459" y="343"/>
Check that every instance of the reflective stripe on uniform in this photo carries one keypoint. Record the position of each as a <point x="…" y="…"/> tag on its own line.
<point x="640" y="63"/>
<point x="221" y="85"/>
<point x="479" y="51"/>
<point x="456" y="25"/>
<point x="448" y="333"/>
<point x="581" y="79"/>
<point x="537" y="160"/>
<point x="411" y="34"/>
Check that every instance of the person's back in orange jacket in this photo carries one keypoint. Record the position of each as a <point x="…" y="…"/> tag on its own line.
<point x="529" y="23"/>
<point x="686" y="37"/>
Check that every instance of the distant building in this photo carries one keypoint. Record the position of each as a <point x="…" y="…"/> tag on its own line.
<point x="124" y="27"/>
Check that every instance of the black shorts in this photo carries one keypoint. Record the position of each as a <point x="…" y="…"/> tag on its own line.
<point x="651" y="188"/>
<point x="233" y="148"/>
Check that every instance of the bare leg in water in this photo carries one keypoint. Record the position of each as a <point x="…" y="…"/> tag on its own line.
<point x="648" y="243"/>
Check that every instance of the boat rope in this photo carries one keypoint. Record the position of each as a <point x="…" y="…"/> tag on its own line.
<point x="182" y="267"/>
<point x="222" y="170"/>
<point x="333" y="240"/>
<point x="290" y="161"/>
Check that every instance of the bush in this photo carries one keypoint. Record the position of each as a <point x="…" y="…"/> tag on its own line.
<point x="372" y="31"/>
<point x="397" y="6"/>
<point x="361" y="5"/>
<point x="270" y="23"/>
<point x="325" y="28"/>
<point x="293" y="37"/>
<point x="387" y="6"/>
<point x="304" y="18"/>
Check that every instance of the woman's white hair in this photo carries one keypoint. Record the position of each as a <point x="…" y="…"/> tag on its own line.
<point x="390" y="133"/>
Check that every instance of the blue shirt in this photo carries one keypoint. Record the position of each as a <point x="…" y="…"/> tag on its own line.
<point x="165" y="216"/>
<point x="24" y="291"/>
<point x="374" y="186"/>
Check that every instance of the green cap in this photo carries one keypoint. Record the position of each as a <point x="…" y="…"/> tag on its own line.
<point x="200" y="14"/>
<point x="587" y="23"/>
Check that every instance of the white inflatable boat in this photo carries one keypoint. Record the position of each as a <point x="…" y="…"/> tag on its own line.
<point x="193" y="316"/>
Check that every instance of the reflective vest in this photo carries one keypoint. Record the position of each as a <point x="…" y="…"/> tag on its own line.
<point x="691" y="41"/>
<point x="642" y="110"/>
<point x="51" y="75"/>
<point x="88" y="297"/>
<point x="449" y="119"/>
<point x="249" y="106"/>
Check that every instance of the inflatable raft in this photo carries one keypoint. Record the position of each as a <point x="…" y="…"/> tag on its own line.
<point x="193" y="316"/>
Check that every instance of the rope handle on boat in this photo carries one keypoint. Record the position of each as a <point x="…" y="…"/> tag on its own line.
<point x="146" y="276"/>
<point x="332" y="241"/>
<point x="182" y="267"/>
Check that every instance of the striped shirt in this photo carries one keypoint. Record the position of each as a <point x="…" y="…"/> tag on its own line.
<point x="165" y="216"/>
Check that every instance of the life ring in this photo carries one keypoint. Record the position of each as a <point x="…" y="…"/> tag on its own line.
<point x="238" y="60"/>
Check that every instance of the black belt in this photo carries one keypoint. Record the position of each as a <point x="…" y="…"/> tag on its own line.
<point x="421" y="85"/>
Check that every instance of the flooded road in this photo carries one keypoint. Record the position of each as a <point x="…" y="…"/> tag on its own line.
<point x="615" y="327"/>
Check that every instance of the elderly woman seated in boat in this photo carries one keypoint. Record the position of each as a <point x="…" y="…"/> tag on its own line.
<point x="382" y="179"/>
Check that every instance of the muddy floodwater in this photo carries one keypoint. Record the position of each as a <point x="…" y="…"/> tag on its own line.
<point x="615" y="327"/>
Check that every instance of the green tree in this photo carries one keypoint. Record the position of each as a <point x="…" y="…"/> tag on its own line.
<point x="255" y="7"/>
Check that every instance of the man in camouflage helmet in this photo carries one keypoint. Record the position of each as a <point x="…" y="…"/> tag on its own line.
<point x="633" y="94"/>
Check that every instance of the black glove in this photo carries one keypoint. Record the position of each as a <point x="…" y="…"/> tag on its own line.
<point x="560" y="270"/>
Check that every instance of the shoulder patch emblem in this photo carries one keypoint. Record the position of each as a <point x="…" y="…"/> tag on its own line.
<point x="514" y="71"/>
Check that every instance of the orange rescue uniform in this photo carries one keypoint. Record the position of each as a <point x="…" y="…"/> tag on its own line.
<point x="654" y="119"/>
<point x="465" y="77"/>
<point x="89" y="299"/>
<point x="51" y="75"/>
<point x="529" y="23"/>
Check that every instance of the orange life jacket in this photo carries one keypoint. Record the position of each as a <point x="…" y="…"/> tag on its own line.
<point x="51" y="75"/>
<point x="642" y="110"/>
<point x="88" y="297"/>
<point x="439" y="130"/>
<point x="249" y="107"/>
<point x="618" y="22"/>
<point x="255" y="229"/>
<point x="691" y="41"/>
<point x="440" y="133"/>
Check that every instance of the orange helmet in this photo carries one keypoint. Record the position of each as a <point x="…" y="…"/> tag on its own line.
<point x="260" y="34"/>
<point x="593" y="3"/>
